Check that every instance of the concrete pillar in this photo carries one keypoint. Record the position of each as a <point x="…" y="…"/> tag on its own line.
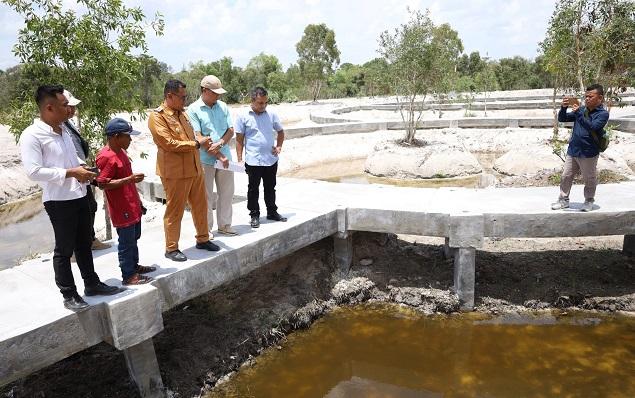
<point x="629" y="245"/>
<point x="144" y="369"/>
<point x="343" y="251"/>
<point x="464" y="276"/>
<point x="448" y="252"/>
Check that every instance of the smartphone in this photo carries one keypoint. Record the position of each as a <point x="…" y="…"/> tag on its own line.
<point x="93" y="170"/>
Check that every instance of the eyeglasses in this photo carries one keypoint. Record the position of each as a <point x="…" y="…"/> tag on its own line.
<point x="182" y="97"/>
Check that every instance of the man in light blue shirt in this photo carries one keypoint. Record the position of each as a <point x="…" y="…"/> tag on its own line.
<point x="210" y="117"/>
<point x="261" y="135"/>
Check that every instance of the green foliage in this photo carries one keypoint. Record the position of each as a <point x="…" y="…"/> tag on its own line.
<point x="421" y="60"/>
<point x="318" y="55"/>
<point x="89" y="53"/>
<point x="230" y="76"/>
<point x="153" y="75"/>
<point x="591" y="40"/>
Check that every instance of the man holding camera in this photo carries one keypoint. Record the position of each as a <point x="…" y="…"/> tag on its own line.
<point x="49" y="157"/>
<point x="583" y="151"/>
<point x="124" y="205"/>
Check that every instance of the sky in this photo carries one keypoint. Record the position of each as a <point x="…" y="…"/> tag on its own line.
<point x="206" y="30"/>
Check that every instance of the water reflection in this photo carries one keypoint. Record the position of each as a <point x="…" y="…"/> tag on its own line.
<point x="386" y="351"/>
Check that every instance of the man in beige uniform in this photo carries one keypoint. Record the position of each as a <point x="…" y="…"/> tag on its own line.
<point x="179" y="166"/>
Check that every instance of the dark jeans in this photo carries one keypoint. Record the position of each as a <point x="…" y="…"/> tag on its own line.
<point x="128" y="249"/>
<point x="92" y="205"/>
<point x="268" y="176"/>
<point x="71" y="225"/>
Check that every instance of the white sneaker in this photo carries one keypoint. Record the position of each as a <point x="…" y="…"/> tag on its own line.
<point x="587" y="206"/>
<point x="560" y="204"/>
<point x="227" y="230"/>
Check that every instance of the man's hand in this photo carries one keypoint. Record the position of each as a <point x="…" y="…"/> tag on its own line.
<point x="565" y="102"/>
<point x="204" y="141"/>
<point x="214" y="148"/>
<point x="137" y="177"/>
<point x="81" y="174"/>
<point x="225" y="162"/>
<point x="275" y="151"/>
<point x="575" y="107"/>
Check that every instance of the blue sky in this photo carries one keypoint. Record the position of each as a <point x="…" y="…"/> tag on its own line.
<point x="210" y="29"/>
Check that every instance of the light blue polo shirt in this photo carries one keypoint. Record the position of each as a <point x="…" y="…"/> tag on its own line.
<point x="212" y="122"/>
<point x="261" y="133"/>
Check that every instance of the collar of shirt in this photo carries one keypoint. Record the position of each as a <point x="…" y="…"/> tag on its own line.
<point x="168" y="110"/>
<point x="201" y="104"/>
<point x="46" y="127"/>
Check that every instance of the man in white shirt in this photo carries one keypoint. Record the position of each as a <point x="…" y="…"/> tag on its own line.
<point x="49" y="157"/>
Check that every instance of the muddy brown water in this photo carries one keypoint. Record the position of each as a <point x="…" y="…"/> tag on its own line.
<point x="390" y="351"/>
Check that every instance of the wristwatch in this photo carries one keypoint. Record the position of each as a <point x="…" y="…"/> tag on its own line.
<point x="198" y="144"/>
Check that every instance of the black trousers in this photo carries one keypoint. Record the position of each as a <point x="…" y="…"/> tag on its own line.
<point x="92" y="205"/>
<point x="72" y="227"/>
<point x="268" y="176"/>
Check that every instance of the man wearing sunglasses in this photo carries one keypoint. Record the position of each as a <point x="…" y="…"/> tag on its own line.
<point x="179" y="166"/>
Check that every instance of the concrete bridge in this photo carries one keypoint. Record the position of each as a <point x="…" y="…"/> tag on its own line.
<point x="36" y="330"/>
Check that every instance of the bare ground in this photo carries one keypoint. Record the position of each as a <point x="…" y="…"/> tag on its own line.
<point x="214" y="334"/>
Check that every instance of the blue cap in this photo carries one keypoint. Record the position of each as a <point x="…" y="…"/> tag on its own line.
<point x="120" y="126"/>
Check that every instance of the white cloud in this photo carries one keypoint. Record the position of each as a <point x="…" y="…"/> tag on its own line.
<point x="208" y="29"/>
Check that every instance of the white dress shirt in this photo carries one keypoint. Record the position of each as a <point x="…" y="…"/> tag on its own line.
<point x="46" y="155"/>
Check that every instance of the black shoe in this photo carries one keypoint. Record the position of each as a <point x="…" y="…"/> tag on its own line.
<point x="176" y="255"/>
<point x="276" y="217"/>
<point x="101" y="289"/>
<point x="208" y="246"/>
<point x="75" y="303"/>
<point x="255" y="221"/>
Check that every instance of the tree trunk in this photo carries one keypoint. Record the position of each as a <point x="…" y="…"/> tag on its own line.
<point x="578" y="50"/>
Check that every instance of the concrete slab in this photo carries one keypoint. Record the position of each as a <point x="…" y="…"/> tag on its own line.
<point x="35" y="329"/>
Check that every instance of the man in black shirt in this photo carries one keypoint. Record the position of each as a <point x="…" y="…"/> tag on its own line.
<point x="83" y="152"/>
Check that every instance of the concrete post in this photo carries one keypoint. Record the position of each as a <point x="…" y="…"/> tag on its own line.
<point x="343" y="251"/>
<point x="144" y="369"/>
<point x="629" y="245"/>
<point x="448" y="252"/>
<point x="464" y="276"/>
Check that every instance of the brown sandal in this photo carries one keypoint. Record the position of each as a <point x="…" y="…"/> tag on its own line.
<point x="142" y="269"/>
<point x="138" y="279"/>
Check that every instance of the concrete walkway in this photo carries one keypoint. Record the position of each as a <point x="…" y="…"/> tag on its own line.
<point x="36" y="330"/>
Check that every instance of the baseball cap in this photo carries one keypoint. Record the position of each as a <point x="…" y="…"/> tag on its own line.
<point x="213" y="83"/>
<point x="120" y="126"/>
<point x="72" y="101"/>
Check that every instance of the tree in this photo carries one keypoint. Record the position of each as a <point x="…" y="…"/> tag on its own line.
<point x="513" y="73"/>
<point x="376" y="77"/>
<point x="230" y="76"/>
<point x="420" y="58"/>
<point x="89" y="53"/>
<point x="317" y="56"/>
<point x="591" y="40"/>
<point x="150" y="82"/>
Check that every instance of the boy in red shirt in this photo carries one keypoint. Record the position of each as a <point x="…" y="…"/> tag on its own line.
<point x="124" y="205"/>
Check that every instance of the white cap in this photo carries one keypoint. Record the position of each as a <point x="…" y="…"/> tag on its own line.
<point x="72" y="101"/>
<point x="213" y="83"/>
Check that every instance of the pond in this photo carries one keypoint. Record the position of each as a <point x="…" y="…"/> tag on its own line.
<point x="25" y="230"/>
<point x="390" y="351"/>
<point x="352" y="172"/>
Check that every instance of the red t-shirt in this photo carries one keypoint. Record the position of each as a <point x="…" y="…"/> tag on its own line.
<point x="124" y="204"/>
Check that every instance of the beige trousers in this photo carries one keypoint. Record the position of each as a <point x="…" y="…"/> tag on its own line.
<point x="180" y="191"/>
<point x="224" y="180"/>
<point x="588" y="168"/>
